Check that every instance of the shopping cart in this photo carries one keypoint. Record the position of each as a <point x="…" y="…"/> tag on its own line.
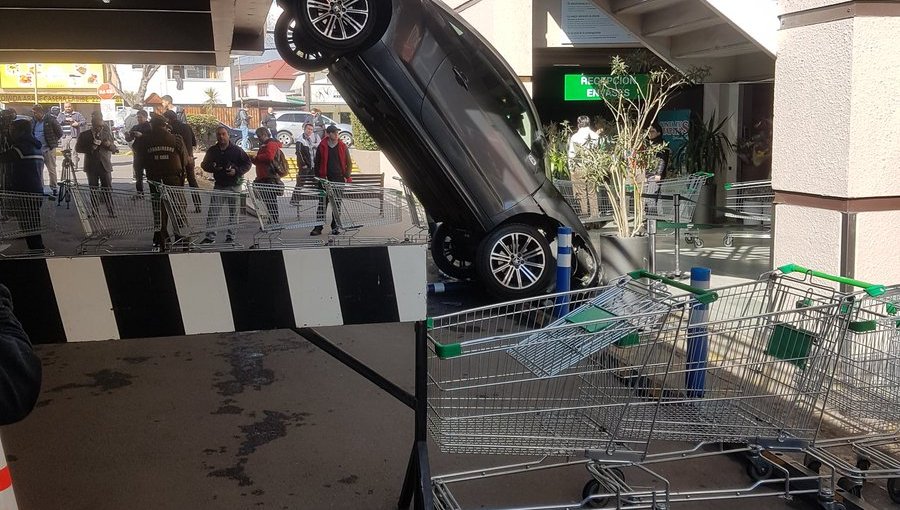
<point x="675" y="214"/>
<point x="196" y="212"/>
<point x="862" y="413"/>
<point x="419" y="231"/>
<point x="590" y="204"/>
<point x="24" y="215"/>
<point x="750" y="202"/>
<point x="282" y="209"/>
<point x="114" y="220"/>
<point x="363" y="205"/>
<point x="754" y="368"/>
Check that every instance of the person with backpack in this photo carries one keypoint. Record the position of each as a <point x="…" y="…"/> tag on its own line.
<point x="271" y="166"/>
<point x="242" y="122"/>
<point x="333" y="163"/>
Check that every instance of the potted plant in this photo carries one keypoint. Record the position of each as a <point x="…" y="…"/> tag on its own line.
<point x="706" y="150"/>
<point x="618" y="168"/>
<point x="557" y="136"/>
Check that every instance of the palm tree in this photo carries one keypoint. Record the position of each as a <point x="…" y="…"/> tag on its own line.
<point x="212" y="99"/>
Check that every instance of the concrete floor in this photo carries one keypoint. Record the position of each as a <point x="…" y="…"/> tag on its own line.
<point x="267" y="420"/>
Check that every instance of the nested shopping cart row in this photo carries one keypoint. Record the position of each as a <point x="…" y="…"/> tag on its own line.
<point x="115" y="219"/>
<point x="613" y="370"/>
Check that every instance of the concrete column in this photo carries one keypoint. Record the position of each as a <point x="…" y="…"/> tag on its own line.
<point x="836" y="148"/>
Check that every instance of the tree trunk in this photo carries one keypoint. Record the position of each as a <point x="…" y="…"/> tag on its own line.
<point x="147" y="73"/>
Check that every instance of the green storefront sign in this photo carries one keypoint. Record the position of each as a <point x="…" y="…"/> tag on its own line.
<point x="591" y="87"/>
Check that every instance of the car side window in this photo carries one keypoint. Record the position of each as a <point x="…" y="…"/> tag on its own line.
<point x="504" y="96"/>
<point x="288" y="117"/>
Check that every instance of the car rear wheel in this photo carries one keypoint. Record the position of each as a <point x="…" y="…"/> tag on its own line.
<point x="451" y="253"/>
<point x="347" y="138"/>
<point x="340" y="25"/>
<point x="296" y="49"/>
<point x="285" y="138"/>
<point x="515" y="261"/>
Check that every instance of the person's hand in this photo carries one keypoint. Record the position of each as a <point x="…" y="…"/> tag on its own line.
<point x="137" y="134"/>
<point x="230" y="172"/>
<point x="96" y="143"/>
<point x="74" y="124"/>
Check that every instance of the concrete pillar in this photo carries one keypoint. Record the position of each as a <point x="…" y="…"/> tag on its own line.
<point x="836" y="147"/>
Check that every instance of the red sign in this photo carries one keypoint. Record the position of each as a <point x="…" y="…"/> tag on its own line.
<point x="106" y="91"/>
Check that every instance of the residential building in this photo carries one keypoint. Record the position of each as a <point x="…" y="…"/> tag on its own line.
<point x="186" y="84"/>
<point x="267" y="84"/>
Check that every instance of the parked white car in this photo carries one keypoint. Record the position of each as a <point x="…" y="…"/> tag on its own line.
<point x="290" y="126"/>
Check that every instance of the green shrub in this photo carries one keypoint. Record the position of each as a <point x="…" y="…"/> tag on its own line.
<point x="361" y="138"/>
<point x="204" y="127"/>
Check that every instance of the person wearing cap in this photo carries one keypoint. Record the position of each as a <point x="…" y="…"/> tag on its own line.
<point x="164" y="157"/>
<point x="333" y="163"/>
<point x="47" y="131"/>
<point x="25" y="175"/>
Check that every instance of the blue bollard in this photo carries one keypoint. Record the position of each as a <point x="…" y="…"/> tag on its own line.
<point x="698" y="338"/>
<point x="563" y="268"/>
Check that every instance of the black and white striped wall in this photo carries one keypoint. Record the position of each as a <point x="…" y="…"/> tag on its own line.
<point x="151" y="295"/>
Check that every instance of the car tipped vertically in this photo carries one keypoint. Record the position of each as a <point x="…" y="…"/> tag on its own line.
<point x="456" y="121"/>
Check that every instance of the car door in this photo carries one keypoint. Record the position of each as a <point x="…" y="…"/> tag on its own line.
<point x="476" y="112"/>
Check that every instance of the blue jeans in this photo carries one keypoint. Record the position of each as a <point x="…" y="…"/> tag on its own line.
<point x="223" y="203"/>
<point x="245" y="137"/>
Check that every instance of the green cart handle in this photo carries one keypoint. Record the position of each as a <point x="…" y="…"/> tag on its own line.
<point x="703" y="295"/>
<point x="871" y="289"/>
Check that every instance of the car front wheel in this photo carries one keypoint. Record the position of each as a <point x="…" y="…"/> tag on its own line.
<point x="297" y="50"/>
<point x="347" y="138"/>
<point x="339" y="25"/>
<point x="515" y="261"/>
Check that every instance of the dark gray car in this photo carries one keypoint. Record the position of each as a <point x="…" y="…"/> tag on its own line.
<point x="453" y="117"/>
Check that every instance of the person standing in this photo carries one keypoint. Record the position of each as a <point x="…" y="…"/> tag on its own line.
<point x="265" y="173"/>
<point x="25" y="177"/>
<point x="7" y="117"/>
<point x="306" y="147"/>
<point x="333" y="163"/>
<point x="163" y="156"/>
<point x="133" y="136"/>
<point x="47" y="131"/>
<point x="228" y="164"/>
<point x="184" y="131"/>
<point x="269" y="122"/>
<point x="318" y="123"/>
<point x="584" y="138"/>
<point x="73" y="123"/>
<point x="656" y="144"/>
<point x="98" y="146"/>
<point x="242" y="122"/>
<point x="20" y="368"/>
<point x="167" y="106"/>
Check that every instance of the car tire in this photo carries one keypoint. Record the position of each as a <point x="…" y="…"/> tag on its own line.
<point x="449" y="255"/>
<point x="347" y="138"/>
<point x="285" y="138"/>
<point x="295" y="49"/>
<point x="514" y="261"/>
<point x="328" y="27"/>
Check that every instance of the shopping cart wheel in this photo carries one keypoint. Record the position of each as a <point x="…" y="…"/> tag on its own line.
<point x="893" y="490"/>
<point x="812" y="464"/>
<point x="863" y="463"/>
<point x="759" y="469"/>
<point x="689" y="238"/>
<point x="591" y="488"/>
<point x="698" y="243"/>
<point x="729" y="241"/>
<point x="850" y="486"/>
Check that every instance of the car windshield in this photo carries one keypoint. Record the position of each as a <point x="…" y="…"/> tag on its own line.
<point x="505" y="97"/>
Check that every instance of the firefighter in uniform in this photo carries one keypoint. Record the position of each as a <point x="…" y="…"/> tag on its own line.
<point x="165" y="158"/>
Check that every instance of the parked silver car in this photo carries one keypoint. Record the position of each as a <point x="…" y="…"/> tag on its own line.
<point x="290" y="126"/>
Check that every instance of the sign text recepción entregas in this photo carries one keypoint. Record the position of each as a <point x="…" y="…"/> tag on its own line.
<point x="592" y="87"/>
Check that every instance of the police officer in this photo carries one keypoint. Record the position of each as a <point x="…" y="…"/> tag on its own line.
<point x="165" y="158"/>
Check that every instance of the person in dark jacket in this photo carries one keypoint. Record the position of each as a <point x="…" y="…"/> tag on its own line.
<point x="655" y="139"/>
<point x="181" y="129"/>
<point x="333" y="163"/>
<point x="20" y="369"/>
<point x="47" y="131"/>
<point x="140" y="128"/>
<point x="269" y="122"/>
<point x="228" y="163"/>
<point x="268" y="148"/>
<point x="97" y="145"/>
<point x="163" y="156"/>
<point x="305" y="150"/>
<point x="24" y="176"/>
